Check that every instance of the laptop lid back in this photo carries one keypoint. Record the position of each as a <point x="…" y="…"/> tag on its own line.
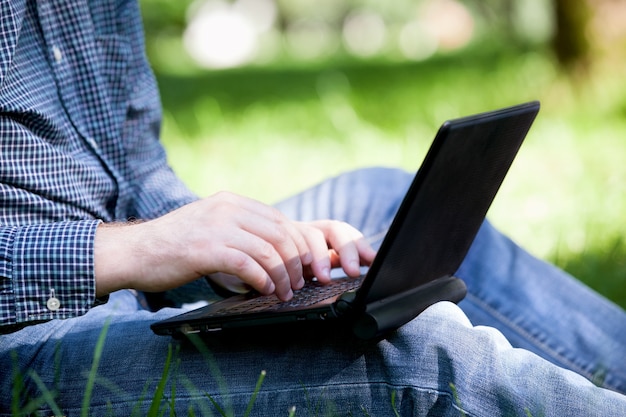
<point x="444" y="207"/>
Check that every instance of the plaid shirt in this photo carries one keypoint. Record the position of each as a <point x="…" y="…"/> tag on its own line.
<point x="79" y="126"/>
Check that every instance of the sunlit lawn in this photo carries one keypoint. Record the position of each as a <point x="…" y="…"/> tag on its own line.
<point x="268" y="133"/>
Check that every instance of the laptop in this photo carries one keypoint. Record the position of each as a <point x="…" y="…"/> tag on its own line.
<point x="428" y="239"/>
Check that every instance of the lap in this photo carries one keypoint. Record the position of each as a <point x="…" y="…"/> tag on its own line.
<point x="437" y="363"/>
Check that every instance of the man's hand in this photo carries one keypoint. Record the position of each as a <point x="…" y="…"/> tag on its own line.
<point x="229" y="234"/>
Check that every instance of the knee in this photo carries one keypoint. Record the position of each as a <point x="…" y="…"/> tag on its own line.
<point x="385" y="177"/>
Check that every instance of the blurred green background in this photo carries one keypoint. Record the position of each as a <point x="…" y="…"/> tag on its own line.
<point x="266" y="97"/>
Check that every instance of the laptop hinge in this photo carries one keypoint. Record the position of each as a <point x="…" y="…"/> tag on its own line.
<point x="392" y="312"/>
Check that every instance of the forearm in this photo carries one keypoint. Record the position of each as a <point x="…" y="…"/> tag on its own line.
<point x="139" y="255"/>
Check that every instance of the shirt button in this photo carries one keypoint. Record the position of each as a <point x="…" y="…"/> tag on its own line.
<point x="56" y="52"/>
<point x="53" y="303"/>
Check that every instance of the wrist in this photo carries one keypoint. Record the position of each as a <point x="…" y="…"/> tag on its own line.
<point x="116" y="257"/>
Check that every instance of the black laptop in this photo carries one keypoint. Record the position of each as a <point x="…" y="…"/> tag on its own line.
<point x="425" y="245"/>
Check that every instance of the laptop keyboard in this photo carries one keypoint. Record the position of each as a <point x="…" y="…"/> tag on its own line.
<point x="312" y="293"/>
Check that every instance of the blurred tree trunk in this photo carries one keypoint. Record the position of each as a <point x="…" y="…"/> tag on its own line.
<point x="571" y="44"/>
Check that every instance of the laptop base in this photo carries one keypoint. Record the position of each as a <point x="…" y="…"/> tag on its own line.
<point x="390" y="313"/>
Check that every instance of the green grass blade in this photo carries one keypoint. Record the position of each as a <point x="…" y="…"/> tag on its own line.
<point x="173" y="389"/>
<point x="219" y="409"/>
<point x="457" y="399"/>
<point x="393" y="403"/>
<point x="213" y="369"/>
<point x="158" y="395"/>
<point x="18" y="385"/>
<point x="45" y="392"/>
<point x="84" y="412"/>
<point x="257" y="388"/>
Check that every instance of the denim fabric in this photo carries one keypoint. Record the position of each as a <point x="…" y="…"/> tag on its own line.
<point x="438" y="364"/>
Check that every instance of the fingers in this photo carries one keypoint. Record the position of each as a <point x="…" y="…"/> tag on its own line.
<point x="337" y="244"/>
<point x="320" y="264"/>
<point x="279" y="241"/>
<point x="316" y="247"/>
<point x="284" y="249"/>
<point x="351" y="246"/>
<point x="247" y="269"/>
<point x="276" y="244"/>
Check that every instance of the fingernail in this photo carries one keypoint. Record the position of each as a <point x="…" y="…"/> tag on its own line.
<point x="355" y="265"/>
<point x="325" y="272"/>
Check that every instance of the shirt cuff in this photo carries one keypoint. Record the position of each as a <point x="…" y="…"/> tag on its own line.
<point x="52" y="271"/>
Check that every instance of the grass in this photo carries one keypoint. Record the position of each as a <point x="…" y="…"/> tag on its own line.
<point x="269" y="132"/>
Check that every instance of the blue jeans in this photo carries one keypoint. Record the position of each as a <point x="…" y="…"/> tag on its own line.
<point x="448" y="361"/>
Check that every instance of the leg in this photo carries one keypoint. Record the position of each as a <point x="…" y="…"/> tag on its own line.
<point x="540" y="308"/>
<point x="435" y="365"/>
<point x="537" y="306"/>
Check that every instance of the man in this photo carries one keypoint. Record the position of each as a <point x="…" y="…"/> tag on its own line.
<point x="92" y="217"/>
